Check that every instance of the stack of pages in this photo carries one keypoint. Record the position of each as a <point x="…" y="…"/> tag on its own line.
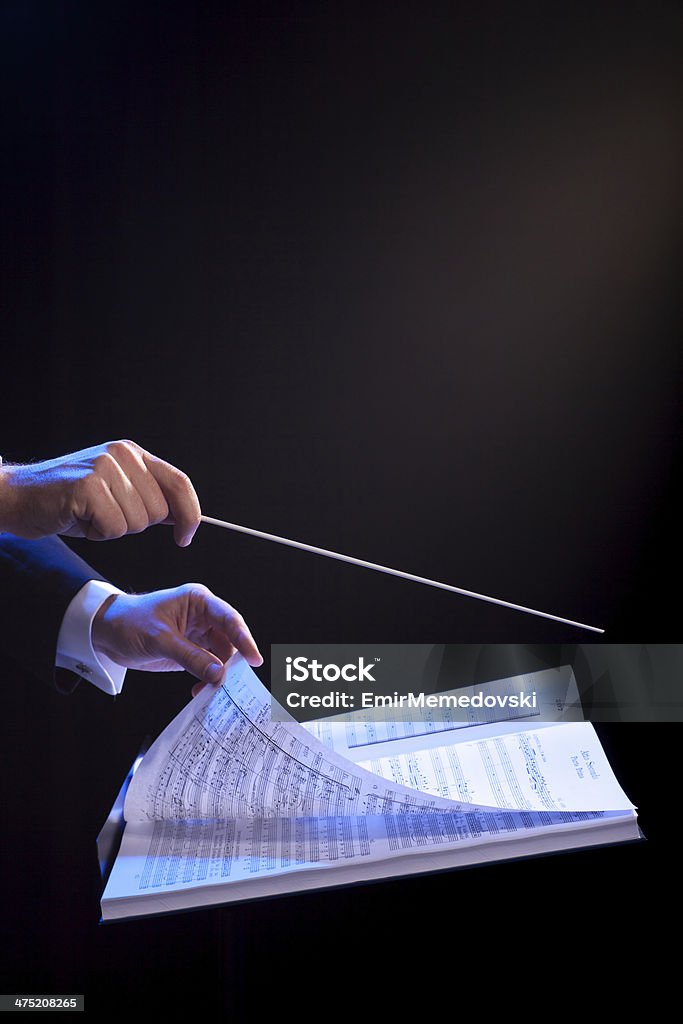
<point x="228" y="804"/>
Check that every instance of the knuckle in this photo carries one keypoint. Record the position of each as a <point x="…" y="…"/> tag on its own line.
<point x="123" y="450"/>
<point x="235" y="624"/>
<point x="181" y="481"/>
<point x="237" y="620"/>
<point x="115" y="449"/>
<point x="121" y="446"/>
<point x="177" y="482"/>
<point x="103" y="462"/>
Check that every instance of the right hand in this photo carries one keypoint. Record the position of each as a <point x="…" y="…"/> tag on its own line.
<point x="99" y="493"/>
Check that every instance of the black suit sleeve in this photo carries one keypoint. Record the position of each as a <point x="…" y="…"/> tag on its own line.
<point x="38" y="579"/>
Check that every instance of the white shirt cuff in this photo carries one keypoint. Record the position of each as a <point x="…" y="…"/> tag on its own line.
<point x="74" y="643"/>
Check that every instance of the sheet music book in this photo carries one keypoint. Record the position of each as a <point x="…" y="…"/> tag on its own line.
<point x="228" y="804"/>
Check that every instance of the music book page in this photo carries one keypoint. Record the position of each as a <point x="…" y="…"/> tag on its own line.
<point x="228" y="804"/>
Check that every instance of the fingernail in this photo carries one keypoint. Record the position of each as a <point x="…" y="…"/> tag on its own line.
<point x="214" y="672"/>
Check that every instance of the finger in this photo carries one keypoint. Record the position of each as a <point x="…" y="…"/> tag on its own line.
<point x="228" y="621"/>
<point x="181" y="498"/>
<point x="215" y="641"/>
<point x="127" y="494"/>
<point x="101" y="517"/>
<point x="196" y="660"/>
<point x="130" y="458"/>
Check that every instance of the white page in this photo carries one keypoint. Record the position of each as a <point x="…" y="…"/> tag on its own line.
<point x="559" y="768"/>
<point x="222" y="757"/>
<point x="354" y="733"/>
<point x="165" y="857"/>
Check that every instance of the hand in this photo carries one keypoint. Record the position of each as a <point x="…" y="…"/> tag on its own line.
<point x="170" y="630"/>
<point x="99" y="493"/>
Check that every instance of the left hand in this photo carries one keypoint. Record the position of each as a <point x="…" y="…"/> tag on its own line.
<point x="187" y="627"/>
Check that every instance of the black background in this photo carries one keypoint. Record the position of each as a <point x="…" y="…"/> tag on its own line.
<point x="399" y="280"/>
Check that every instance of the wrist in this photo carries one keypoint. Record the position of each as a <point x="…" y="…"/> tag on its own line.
<point x="101" y="631"/>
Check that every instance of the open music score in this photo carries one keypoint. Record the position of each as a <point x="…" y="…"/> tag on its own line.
<point x="230" y="805"/>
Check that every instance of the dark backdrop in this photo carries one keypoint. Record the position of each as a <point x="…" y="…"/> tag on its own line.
<point x="398" y="280"/>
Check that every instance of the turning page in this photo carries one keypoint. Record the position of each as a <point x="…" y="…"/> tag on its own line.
<point x="223" y="758"/>
<point x="228" y="805"/>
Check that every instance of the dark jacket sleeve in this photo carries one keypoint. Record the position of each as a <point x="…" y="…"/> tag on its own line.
<point x="38" y="579"/>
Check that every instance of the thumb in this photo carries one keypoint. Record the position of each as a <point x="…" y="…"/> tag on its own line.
<point x="195" y="660"/>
